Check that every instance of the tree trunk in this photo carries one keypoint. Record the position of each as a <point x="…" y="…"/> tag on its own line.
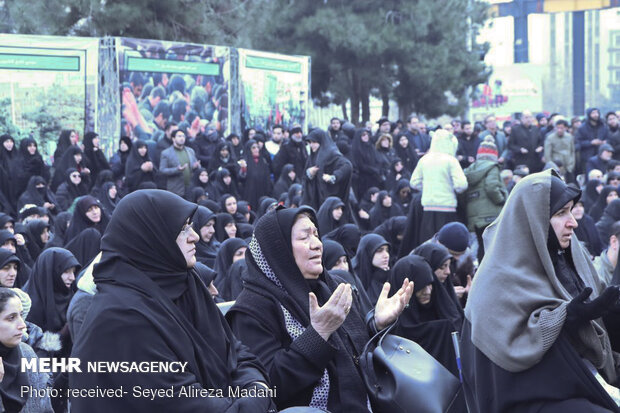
<point x="355" y="99"/>
<point x="385" y="107"/>
<point x="404" y="110"/>
<point x="365" y="98"/>
<point x="343" y="106"/>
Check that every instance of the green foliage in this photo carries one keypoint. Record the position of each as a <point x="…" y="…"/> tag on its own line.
<point x="57" y="109"/>
<point x="413" y="50"/>
<point x="6" y="122"/>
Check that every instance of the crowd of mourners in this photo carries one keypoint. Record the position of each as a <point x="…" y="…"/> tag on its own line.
<point x="268" y="259"/>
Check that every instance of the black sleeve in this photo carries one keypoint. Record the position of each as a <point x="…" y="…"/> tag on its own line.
<point x="295" y="369"/>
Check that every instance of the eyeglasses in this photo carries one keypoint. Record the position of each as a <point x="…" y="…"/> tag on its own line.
<point x="187" y="228"/>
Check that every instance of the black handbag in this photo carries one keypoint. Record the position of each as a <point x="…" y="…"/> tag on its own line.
<point x="401" y="376"/>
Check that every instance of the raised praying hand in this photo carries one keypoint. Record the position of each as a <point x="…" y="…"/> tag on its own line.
<point x="388" y="309"/>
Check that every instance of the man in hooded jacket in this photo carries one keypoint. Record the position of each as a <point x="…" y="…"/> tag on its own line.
<point x="590" y="135"/>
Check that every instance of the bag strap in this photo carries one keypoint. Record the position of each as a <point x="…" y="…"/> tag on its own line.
<point x="369" y="376"/>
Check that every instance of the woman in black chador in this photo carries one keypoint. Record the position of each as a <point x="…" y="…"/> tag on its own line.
<point x="139" y="167"/>
<point x="207" y="245"/>
<point x="151" y="306"/>
<point x="257" y="176"/>
<point x="366" y="162"/>
<point x="331" y="215"/>
<point x="309" y="330"/>
<point x="384" y="209"/>
<point x="95" y="159"/>
<point x="430" y="318"/>
<point x="51" y="286"/>
<point x="533" y="339"/>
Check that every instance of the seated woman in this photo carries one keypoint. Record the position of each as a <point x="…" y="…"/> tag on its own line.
<point x="231" y="250"/>
<point x="50" y="288"/>
<point x="440" y="260"/>
<point x="73" y="187"/>
<point x="372" y="264"/>
<point x="88" y="213"/>
<point x="430" y="319"/>
<point x="309" y="331"/>
<point x="532" y="341"/>
<point x="150" y="306"/>
<point x="207" y="246"/>
<point x="225" y="226"/>
<point x="337" y="262"/>
<point x="330" y="215"/>
<point x="12" y="351"/>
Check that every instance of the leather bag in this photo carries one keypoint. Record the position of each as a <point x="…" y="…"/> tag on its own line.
<point x="401" y="376"/>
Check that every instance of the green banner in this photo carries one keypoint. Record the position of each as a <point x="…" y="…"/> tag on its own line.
<point x="39" y="62"/>
<point x="265" y="63"/>
<point x="139" y="64"/>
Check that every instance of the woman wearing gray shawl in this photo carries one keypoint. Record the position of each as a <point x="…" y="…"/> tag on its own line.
<point x="533" y="339"/>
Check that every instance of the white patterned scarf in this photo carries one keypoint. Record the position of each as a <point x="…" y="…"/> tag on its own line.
<point x="294" y="328"/>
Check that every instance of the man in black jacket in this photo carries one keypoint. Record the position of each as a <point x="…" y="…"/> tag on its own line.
<point x="293" y="151"/>
<point x="590" y="135"/>
<point x="526" y="143"/>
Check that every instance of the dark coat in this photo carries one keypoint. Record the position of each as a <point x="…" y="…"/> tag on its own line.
<point x="529" y="138"/>
<point x="330" y="161"/>
<point x="588" y="132"/>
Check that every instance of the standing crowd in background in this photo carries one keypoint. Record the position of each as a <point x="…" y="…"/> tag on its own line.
<point x="321" y="240"/>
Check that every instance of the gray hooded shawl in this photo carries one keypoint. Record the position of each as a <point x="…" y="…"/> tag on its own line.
<point x="517" y="305"/>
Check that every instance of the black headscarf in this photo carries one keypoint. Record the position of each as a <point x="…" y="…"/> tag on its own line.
<point x="73" y="190"/>
<point x="205" y="251"/>
<point x="372" y="277"/>
<point x="60" y="229"/>
<point x="34" y="229"/>
<point x="50" y="296"/>
<point x="391" y="230"/>
<point x="221" y="187"/>
<point x="408" y="155"/>
<point x="596" y="212"/>
<point x="108" y="203"/>
<point x="31" y="164"/>
<point x="272" y="247"/>
<point x="96" y="159"/>
<point x="429" y="325"/>
<point x="143" y="271"/>
<point x="208" y="188"/>
<point x="586" y="232"/>
<point x="221" y="220"/>
<point x="265" y="205"/>
<point x="134" y="176"/>
<point x="7" y="257"/>
<point x="10" y="168"/>
<point x="85" y="246"/>
<point x="12" y="397"/>
<point x="224" y="259"/>
<point x="64" y="141"/>
<point x="284" y="182"/>
<point x="348" y="236"/>
<point x="327" y="223"/>
<point x="293" y="191"/>
<point x="436" y="255"/>
<point x="67" y="161"/>
<point x="380" y="213"/>
<point x="395" y="194"/>
<point x="79" y="220"/>
<point x="590" y="194"/>
<point x="34" y="195"/>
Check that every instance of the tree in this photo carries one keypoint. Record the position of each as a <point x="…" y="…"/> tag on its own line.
<point x="413" y="51"/>
<point x="199" y="21"/>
